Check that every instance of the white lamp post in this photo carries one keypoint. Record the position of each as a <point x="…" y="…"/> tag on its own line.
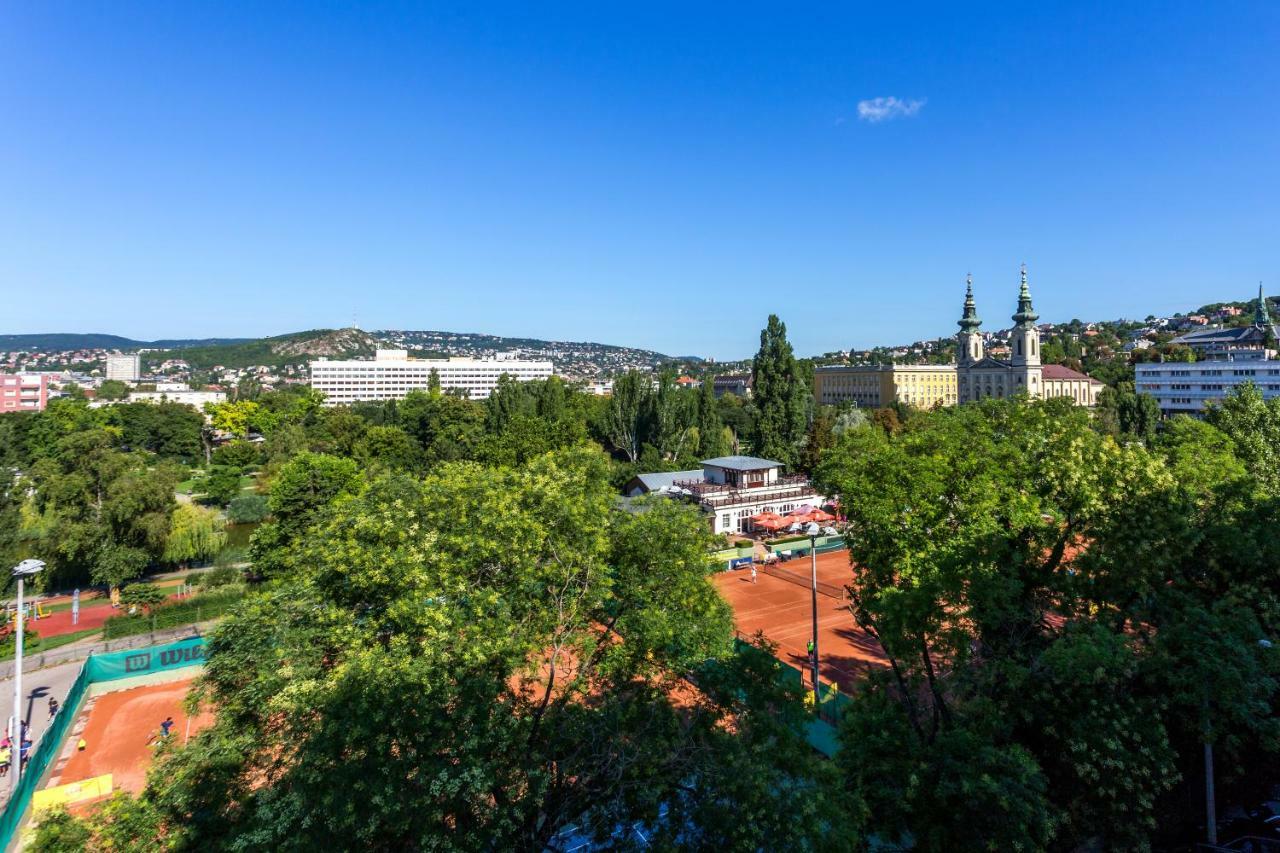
<point x="813" y="530"/>
<point x="22" y="571"/>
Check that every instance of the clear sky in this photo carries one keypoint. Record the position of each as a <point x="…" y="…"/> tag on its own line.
<point x="664" y="175"/>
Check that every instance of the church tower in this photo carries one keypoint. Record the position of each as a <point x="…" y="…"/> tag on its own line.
<point x="1025" y="361"/>
<point x="968" y="347"/>
<point x="969" y="340"/>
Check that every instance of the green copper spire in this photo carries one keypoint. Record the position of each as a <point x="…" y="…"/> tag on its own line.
<point x="969" y="322"/>
<point x="1261" y="316"/>
<point x="1026" y="315"/>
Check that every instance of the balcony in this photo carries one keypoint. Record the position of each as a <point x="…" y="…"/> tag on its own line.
<point x="716" y="495"/>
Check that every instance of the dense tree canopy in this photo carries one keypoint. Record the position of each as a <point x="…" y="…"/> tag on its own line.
<point x="492" y="658"/>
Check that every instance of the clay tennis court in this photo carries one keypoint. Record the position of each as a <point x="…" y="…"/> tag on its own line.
<point x="119" y="729"/>
<point x="782" y="610"/>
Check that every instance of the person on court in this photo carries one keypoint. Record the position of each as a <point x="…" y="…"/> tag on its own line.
<point x="811" y="650"/>
<point x="53" y="707"/>
<point x="165" y="726"/>
<point x="753" y="572"/>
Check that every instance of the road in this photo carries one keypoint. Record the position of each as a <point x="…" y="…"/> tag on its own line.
<point x="37" y="687"/>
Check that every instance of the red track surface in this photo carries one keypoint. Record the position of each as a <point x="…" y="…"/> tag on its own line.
<point x="118" y="731"/>
<point x="782" y="610"/>
<point x="59" y="623"/>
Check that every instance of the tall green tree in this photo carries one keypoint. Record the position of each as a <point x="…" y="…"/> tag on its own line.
<point x="494" y="659"/>
<point x="624" y="418"/>
<point x="780" y="395"/>
<point x="711" y="441"/>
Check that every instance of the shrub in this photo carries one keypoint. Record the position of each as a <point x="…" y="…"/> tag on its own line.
<point x="220" y="576"/>
<point x="247" y="509"/>
<point x="207" y="605"/>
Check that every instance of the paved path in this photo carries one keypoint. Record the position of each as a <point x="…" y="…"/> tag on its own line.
<point x="37" y="687"/>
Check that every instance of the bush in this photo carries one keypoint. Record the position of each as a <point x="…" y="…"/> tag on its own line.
<point x="247" y="509"/>
<point x="238" y="454"/>
<point x="207" y="605"/>
<point x="220" y="576"/>
<point x="222" y="484"/>
<point x="142" y="595"/>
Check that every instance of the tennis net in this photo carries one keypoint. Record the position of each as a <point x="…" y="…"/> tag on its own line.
<point x="828" y="589"/>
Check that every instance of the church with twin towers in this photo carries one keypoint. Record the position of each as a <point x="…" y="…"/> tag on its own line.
<point x="979" y="375"/>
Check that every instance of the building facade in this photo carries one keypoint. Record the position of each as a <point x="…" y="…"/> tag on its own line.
<point x="1186" y="388"/>
<point x="876" y="386"/>
<point x="1228" y="358"/>
<point x="393" y="374"/>
<point x="126" y="368"/>
<point x="23" y="392"/>
<point x="732" y="489"/>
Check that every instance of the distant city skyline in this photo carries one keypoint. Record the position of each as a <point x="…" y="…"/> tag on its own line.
<point x="662" y="177"/>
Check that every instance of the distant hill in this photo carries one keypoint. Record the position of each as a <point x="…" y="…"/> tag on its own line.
<point x="296" y="348"/>
<point x="572" y="358"/>
<point x="68" y="341"/>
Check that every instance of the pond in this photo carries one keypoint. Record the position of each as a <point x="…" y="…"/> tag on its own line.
<point x="238" y="534"/>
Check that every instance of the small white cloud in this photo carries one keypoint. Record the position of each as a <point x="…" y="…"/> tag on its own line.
<point x="879" y="109"/>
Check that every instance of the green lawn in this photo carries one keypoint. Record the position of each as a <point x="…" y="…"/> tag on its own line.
<point x="47" y="644"/>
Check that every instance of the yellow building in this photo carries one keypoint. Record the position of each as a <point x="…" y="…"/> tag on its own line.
<point x="872" y="387"/>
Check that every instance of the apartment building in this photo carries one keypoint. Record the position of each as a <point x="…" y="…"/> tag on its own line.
<point x="393" y="374"/>
<point x="24" y="392"/>
<point x="126" y="368"/>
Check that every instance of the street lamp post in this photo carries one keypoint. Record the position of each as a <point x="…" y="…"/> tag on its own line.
<point x="21" y="571"/>
<point x="1210" y="805"/>
<point x="813" y="531"/>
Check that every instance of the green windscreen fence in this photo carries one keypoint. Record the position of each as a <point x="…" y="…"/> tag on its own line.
<point x="111" y="666"/>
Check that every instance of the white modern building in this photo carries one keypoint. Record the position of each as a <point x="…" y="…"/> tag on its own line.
<point x="1227" y="358"/>
<point x="1185" y="388"/>
<point x="731" y="489"/>
<point x="126" y="368"/>
<point x="393" y="374"/>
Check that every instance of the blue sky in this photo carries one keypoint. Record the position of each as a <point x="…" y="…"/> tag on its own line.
<point x="660" y="176"/>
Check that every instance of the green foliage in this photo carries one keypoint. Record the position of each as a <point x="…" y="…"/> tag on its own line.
<point x="171" y="614"/>
<point x="113" y="389"/>
<point x="781" y="396"/>
<point x="195" y="534"/>
<point x="237" y="454"/>
<point x="411" y="684"/>
<point x="143" y="596"/>
<point x="247" y="509"/>
<point x="60" y="832"/>
<point x="221" y="484"/>
<point x="1098" y="608"/>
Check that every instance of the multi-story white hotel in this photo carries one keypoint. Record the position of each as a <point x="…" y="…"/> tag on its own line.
<point x="1184" y="388"/>
<point x="393" y="374"/>
<point x="126" y="368"/>
<point x="1227" y="358"/>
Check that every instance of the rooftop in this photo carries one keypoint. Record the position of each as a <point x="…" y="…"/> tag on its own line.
<point x="741" y="463"/>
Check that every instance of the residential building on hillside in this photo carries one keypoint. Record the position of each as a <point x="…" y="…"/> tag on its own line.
<point x="126" y="368"/>
<point x="732" y="489"/>
<point x="187" y="396"/>
<point x="393" y="374"/>
<point x="24" y="392"/>
<point x="738" y="384"/>
<point x="1220" y="343"/>
<point x="876" y="386"/>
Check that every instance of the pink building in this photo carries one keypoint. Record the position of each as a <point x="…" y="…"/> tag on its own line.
<point x="23" y="392"/>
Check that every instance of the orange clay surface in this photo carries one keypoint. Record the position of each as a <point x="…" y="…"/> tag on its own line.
<point x="782" y="610"/>
<point x="119" y="730"/>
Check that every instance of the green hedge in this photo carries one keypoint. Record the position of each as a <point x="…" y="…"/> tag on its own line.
<point x="209" y="605"/>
